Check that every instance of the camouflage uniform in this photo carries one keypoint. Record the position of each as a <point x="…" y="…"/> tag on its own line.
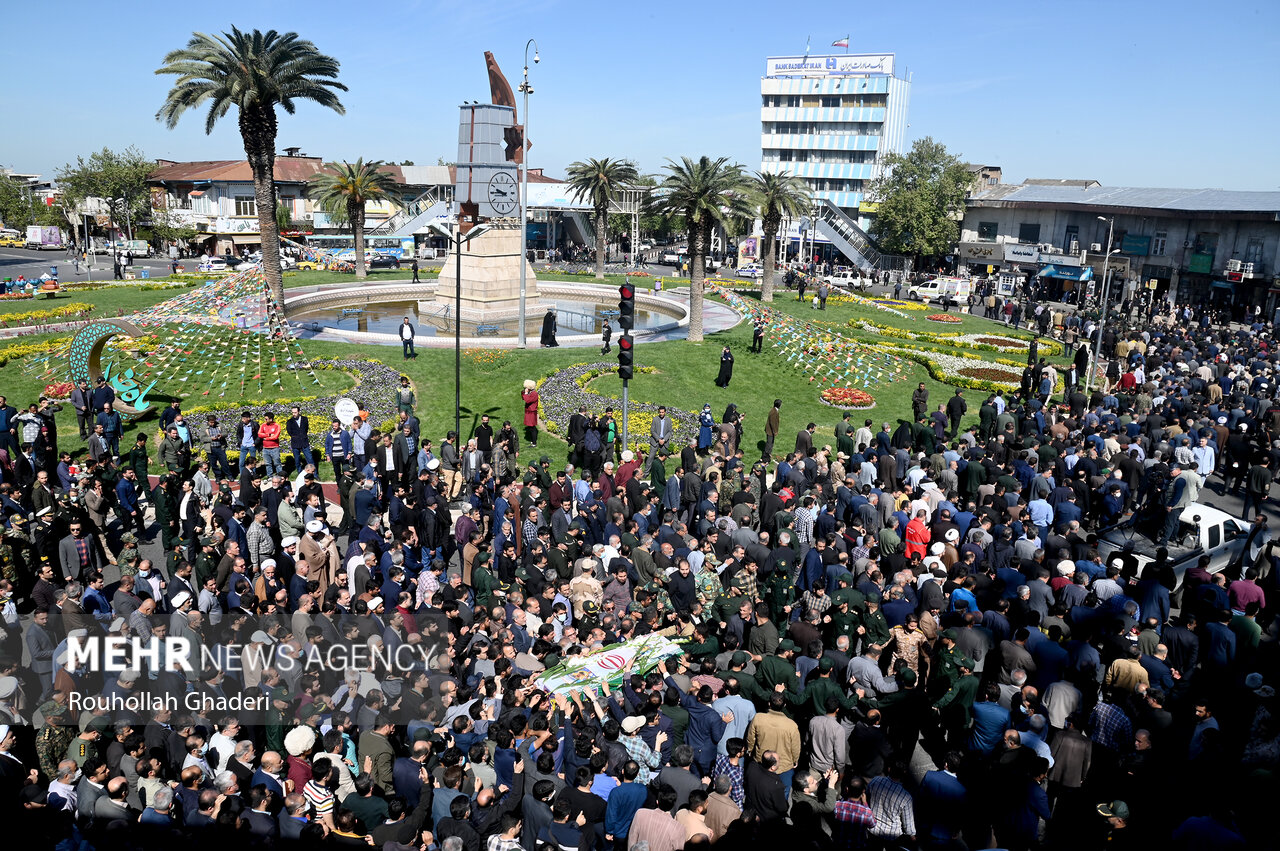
<point x="54" y="736"/>
<point x="708" y="587"/>
<point x="662" y="602"/>
<point x="129" y="556"/>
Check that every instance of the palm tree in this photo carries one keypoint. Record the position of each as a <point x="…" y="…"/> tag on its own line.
<point x="252" y="71"/>
<point x="706" y="193"/>
<point x="350" y="186"/>
<point x="777" y="195"/>
<point x="601" y="181"/>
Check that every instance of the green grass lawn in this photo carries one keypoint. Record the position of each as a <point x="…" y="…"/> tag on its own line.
<point x="491" y="382"/>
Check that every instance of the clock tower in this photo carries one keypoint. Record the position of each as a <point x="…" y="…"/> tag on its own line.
<point x="487" y="189"/>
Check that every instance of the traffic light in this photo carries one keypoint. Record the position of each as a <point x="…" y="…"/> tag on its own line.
<point x="627" y="307"/>
<point x="626" y="357"/>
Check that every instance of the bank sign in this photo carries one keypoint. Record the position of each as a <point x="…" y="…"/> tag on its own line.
<point x="852" y="64"/>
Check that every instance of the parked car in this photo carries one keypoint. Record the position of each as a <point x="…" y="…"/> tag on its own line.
<point x="751" y="270"/>
<point x="382" y="261"/>
<point x="936" y="289"/>
<point x="670" y="258"/>
<point x="849" y="280"/>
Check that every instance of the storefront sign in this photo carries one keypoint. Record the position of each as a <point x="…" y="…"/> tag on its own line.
<point x="1016" y="253"/>
<point x="1201" y="263"/>
<point x="1134" y="244"/>
<point x="985" y="251"/>
<point x="829" y="66"/>
<point x="1060" y="259"/>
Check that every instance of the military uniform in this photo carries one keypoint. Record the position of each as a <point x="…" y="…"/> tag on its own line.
<point x="54" y="736"/>
<point x="781" y="593"/>
<point x="842" y="623"/>
<point x="877" y="628"/>
<point x="772" y="670"/>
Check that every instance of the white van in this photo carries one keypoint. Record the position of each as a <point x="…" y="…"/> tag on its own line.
<point x="957" y="289"/>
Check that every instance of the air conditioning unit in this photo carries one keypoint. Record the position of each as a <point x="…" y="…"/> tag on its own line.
<point x="1248" y="268"/>
<point x="1046" y="247"/>
<point x="1234" y="265"/>
<point x="1095" y="246"/>
<point x="1075" y="246"/>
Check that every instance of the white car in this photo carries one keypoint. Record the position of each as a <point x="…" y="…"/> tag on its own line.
<point x="215" y="264"/>
<point x="670" y="258"/>
<point x="848" y="281"/>
<point x="751" y="270"/>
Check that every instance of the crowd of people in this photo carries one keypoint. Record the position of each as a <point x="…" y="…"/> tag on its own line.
<point x="901" y="635"/>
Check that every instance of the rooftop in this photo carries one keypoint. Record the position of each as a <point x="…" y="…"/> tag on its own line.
<point x="287" y="170"/>
<point x="1173" y="200"/>
<point x="1059" y="181"/>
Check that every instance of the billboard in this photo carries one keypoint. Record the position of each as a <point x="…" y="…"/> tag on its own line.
<point x="844" y="65"/>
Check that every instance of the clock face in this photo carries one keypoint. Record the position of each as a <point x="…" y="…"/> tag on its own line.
<point x="502" y="193"/>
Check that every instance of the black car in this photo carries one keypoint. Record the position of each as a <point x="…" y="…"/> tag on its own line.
<point x="383" y="261"/>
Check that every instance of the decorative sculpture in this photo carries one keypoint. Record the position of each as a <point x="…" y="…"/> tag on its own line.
<point x="502" y="95"/>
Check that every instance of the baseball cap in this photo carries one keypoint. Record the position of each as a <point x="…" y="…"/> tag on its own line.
<point x="785" y="645"/>
<point x="1119" y="809"/>
<point x="738" y="658"/>
<point x="632" y="723"/>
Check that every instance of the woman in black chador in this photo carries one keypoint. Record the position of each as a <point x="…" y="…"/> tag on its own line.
<point x="726" y="368"/>
<point x="549" y="329"/>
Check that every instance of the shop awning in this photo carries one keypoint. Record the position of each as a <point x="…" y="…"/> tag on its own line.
<point x="195" y="193"/>
<point x="1222" y="285"/>
<point x="246" y="239"/>
<point x="1067" y="273"/>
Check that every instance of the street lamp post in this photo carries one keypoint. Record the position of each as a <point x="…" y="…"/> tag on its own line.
<point x="457" y="242"/>
<point x="1102" y="321"/>
<point x="526" y="90"/>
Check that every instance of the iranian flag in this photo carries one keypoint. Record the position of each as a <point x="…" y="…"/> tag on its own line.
<point x="841" y="42"/>
<point x="612" y="664"/>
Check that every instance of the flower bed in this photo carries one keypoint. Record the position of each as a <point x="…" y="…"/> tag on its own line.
<point x="40" y="317"/>
<point x="486" y="358"/>
<point x="899" y="304"/>
<point x="848" y="398"/>
<point x="991" y="373"/>
<point x="563" y="391"/>
<point x="943" y="317"/>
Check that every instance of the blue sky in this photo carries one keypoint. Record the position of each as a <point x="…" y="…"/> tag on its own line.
<point x="1134" y="93"/>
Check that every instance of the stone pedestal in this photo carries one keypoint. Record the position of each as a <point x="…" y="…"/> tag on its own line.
<point x="491" y="277"/>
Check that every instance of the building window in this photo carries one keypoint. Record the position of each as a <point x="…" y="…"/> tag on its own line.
<point x="1071" y="239"/>
<point x="1253" y="251"/>
<point x="1029" y="233"/>
<point x="987" y="231"/>
<point x="246" y="205"/>
<point x="1159" y="242"/>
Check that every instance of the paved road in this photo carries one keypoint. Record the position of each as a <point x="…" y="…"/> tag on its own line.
<point x="33" y="264"/>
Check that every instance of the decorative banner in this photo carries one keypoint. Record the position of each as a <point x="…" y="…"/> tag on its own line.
<point x="830" y="359"/>
<point x="228" y="333"/>
<point x="612" y="664"/>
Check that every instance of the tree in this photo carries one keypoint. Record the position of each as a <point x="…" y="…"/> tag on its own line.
<point x="601" y="181"/>
<point x="920" y="197"/>
<point x="254" y="72"/>
<point x="776" y="195"/>
<point x="118" y="179"/>
<point x="166" y="227"/>
<point x="706" y="193"/>
<point x="20" y="208"/>
<point x="349" y="186"/>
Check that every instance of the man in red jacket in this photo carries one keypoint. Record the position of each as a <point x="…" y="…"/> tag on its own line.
<point x="269" y="434"/>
